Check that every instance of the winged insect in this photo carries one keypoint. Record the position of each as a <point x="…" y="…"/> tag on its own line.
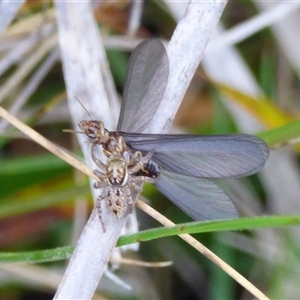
<point x="181" y="166"/>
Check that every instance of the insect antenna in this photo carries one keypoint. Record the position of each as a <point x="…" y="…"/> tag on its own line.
<point x="84" y="108"/>
<point x="72" y="131"/>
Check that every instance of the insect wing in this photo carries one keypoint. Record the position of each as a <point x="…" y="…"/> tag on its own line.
<point x="200" y="198"/>
<point x="146" y="81"/>
<point x="218" y="156"/>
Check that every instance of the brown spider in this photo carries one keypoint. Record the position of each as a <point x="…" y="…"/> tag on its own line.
<point x="117" y="178"/>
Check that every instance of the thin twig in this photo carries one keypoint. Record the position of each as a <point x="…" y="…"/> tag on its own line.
<point x="32" y="85"/>
<point x="46" y="143"/>
<point x="205" y="251"/>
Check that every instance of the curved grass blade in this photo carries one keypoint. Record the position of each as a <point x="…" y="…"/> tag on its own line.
<point x="145" y="85"/>
<point x="218" y="156"/>
<point x="200" y="198"/>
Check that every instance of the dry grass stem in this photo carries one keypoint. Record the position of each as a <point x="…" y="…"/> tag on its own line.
<point x="133" y="262"/>
<point x="27" y="66"/>
<point x="46" y="143"/>
<point x="205" y="251"/>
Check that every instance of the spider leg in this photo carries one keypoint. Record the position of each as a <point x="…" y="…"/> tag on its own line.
<point x="99" y="210"/>
<point x="97" y="161"/>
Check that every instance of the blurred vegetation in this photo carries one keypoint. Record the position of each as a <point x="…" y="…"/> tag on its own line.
<point x="39" y="193"/>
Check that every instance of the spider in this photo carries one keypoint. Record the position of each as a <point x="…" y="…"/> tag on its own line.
<point x="117" y="177"/>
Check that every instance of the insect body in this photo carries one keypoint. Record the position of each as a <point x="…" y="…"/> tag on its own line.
<point x="150" y="169"/>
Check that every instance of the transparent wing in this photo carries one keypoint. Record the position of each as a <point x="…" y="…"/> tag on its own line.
<point x="146" y="81"/>
<point x="200" y="198"/>
<point x="217" y="156"/>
